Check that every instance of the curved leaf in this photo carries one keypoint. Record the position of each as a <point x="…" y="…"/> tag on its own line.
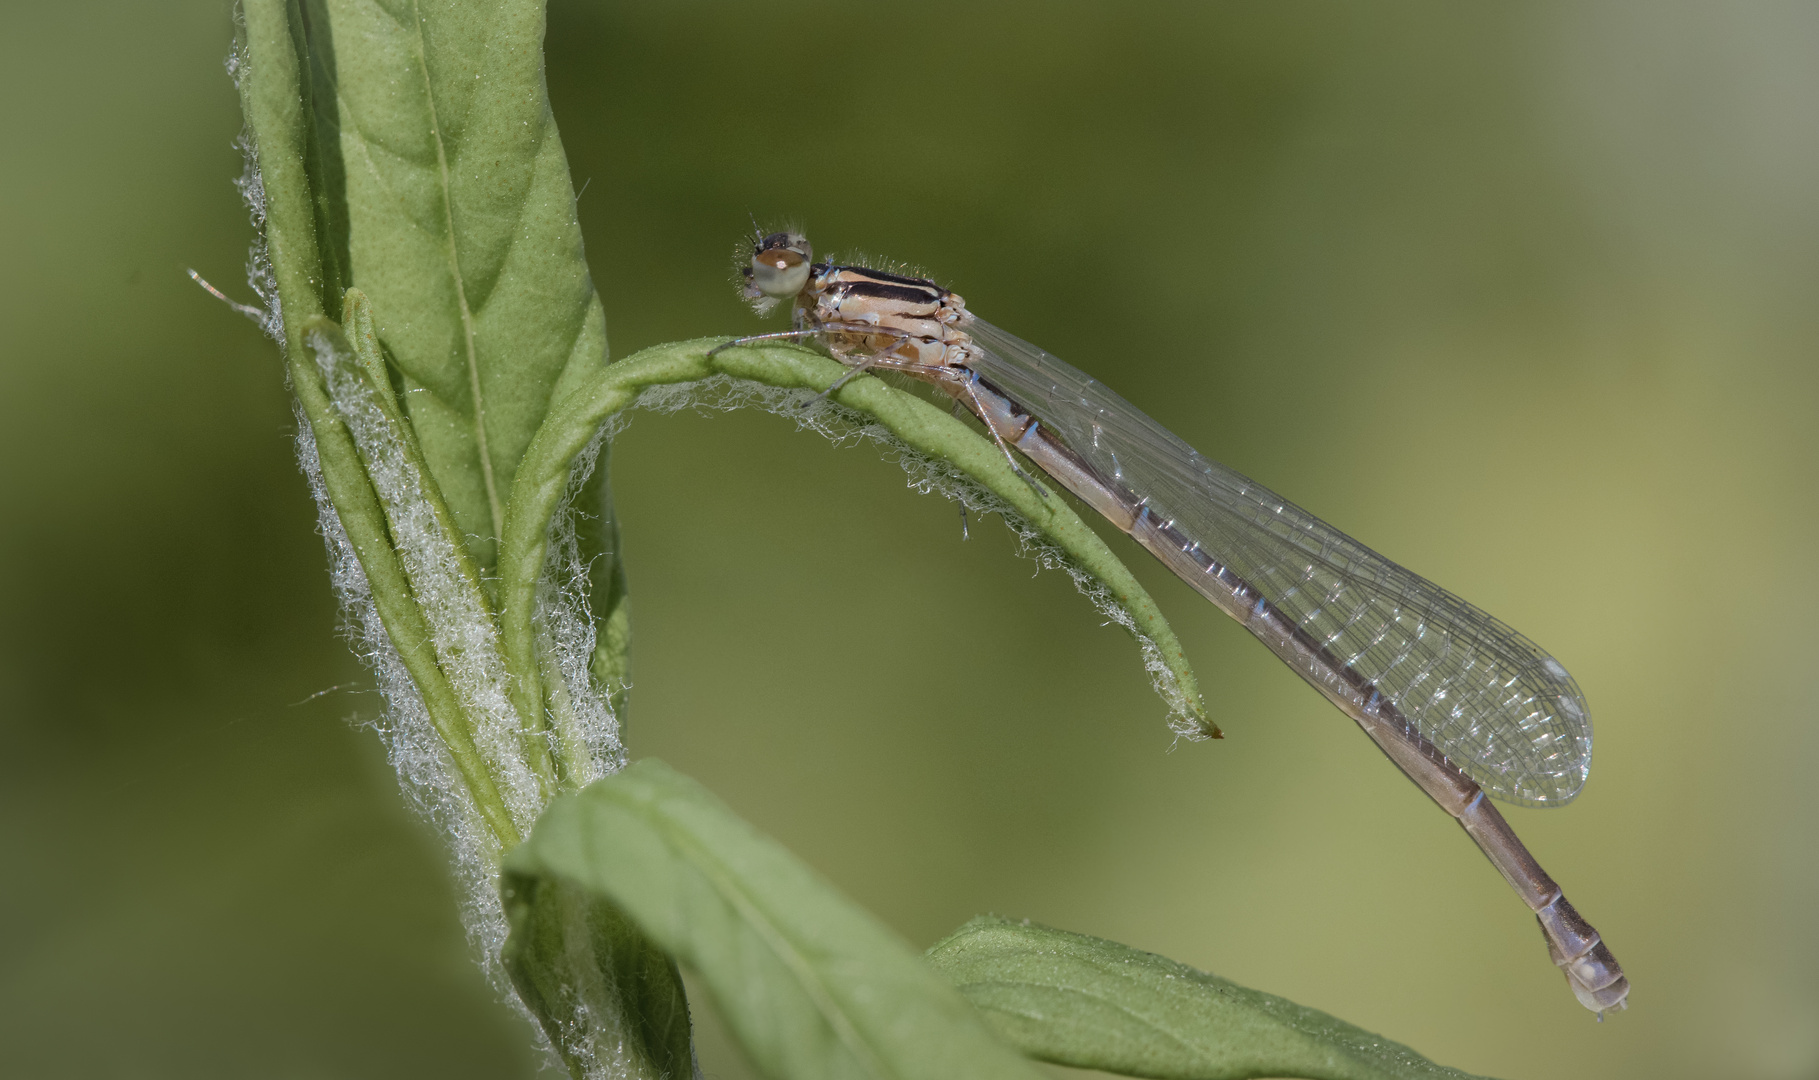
<point x="544" y="475"/>
<point x="1095" y="1004"/>
<point x="811" y="985"/>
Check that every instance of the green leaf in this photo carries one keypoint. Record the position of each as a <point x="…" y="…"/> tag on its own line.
<point x="406" y="163"/>
<point x="1095" y="1004"/>
<point x="407" y="148"/>
<point x="442" y="192"/>
<point x="812" y="986"/>
<point x="544" y="476"/>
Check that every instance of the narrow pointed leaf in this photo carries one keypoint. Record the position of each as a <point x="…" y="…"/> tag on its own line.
<point x="1095" y="1004"/>
<point x="922" y="427"/>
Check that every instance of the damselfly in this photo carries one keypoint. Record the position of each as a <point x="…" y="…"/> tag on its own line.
<point x="1461" y="703"/>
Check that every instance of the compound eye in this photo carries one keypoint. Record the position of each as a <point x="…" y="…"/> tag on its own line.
<point x="780" y="272"/>
<point x="792" y="240"/>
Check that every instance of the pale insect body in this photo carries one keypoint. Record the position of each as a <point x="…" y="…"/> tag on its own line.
<point x="1454" y="697"/>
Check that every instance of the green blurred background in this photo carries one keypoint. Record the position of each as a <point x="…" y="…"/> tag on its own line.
<point x="1521" y="295"/>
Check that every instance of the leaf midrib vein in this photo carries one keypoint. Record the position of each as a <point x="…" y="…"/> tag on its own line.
<point x="454" y="262"/>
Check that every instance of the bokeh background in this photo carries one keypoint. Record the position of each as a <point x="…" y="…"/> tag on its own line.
<point x="1522" y="295"/>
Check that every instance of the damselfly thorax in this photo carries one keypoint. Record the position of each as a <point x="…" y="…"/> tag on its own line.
<point x="866" y="318"/>
<point x="871" y="318"/>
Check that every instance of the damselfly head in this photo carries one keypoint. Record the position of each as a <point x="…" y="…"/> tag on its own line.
<point x="779" y="269"/>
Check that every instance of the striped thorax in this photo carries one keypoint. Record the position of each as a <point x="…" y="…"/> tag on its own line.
<point x="867" y="318"/>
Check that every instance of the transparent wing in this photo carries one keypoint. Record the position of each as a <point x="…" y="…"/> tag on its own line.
<point x="1498" y="706"/>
